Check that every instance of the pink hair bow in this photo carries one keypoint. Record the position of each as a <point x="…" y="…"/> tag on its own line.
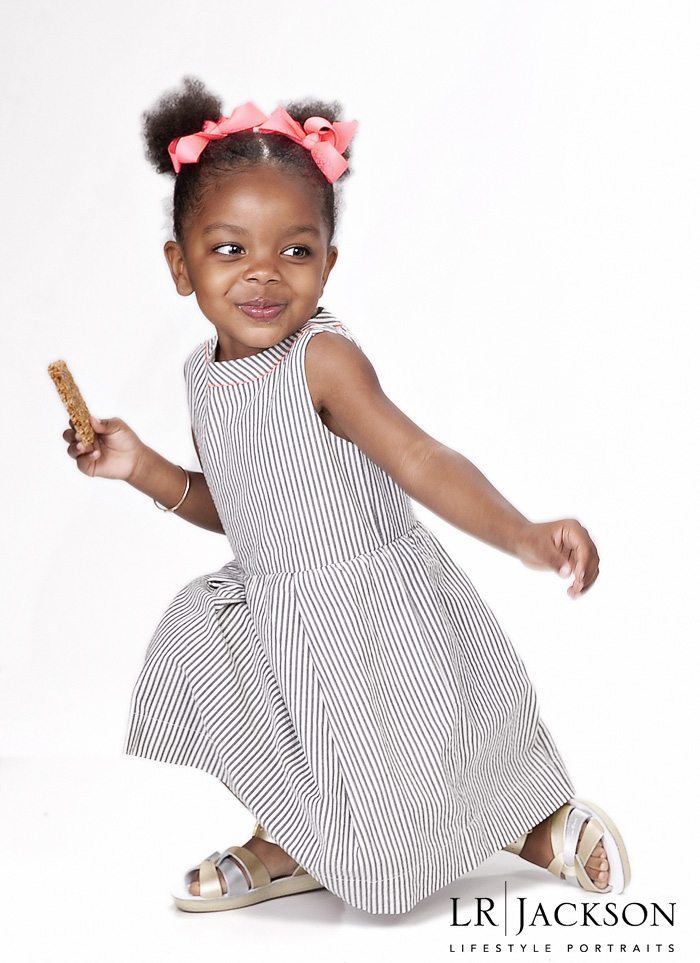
<point x="325" y="140"/>
<point x="186" y="150"/>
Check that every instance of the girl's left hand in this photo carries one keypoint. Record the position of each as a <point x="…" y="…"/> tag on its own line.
<point x="564" y="546"/>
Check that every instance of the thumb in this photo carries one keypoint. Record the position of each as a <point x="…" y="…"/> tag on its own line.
<point x="105" y="426"/>
<point x="559" y="561"/>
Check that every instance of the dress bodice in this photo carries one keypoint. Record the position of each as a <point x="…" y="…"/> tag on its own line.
<point x="291" y="494"/>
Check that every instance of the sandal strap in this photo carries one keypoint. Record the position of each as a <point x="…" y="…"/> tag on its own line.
<point x="254" y="867"/>
<point x="591" y="836"/>
<point x="246" y="862"/>
<point x="584" y="880"/>
<point x="575" y="819"/>
<point x="565" y="824"/>
<point x="233" y="871"/>
<point x="209" y="882"/>
<point x="570" y="854"/>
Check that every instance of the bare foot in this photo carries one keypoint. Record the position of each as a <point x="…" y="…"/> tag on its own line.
<point x="273" y="857"/>
<point x="538" y="849"/>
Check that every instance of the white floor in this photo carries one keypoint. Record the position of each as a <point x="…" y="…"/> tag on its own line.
<point x="91" y="845"/>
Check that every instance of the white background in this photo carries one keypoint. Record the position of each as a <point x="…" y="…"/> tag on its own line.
<point x="518" y="258"/>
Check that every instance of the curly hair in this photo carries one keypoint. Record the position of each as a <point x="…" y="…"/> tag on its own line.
<point x="183" y="110"/>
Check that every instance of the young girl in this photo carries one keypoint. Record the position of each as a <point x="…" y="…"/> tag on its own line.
<point x="340" y="675"/>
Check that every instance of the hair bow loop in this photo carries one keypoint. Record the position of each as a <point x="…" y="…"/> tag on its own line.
<point x="280" y="122"/>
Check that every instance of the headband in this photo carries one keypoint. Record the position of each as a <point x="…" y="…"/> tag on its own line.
<point x="325" y="140"/>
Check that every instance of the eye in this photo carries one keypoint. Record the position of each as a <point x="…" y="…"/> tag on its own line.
<point x="299" y="247"/>
<point x="228" y="244"/>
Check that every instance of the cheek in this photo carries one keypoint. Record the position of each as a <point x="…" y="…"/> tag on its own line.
<point x="217" y="278"/>
<point x="311" y="275"/>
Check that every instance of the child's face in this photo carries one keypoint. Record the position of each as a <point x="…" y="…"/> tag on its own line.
<point x="258" y="234"/>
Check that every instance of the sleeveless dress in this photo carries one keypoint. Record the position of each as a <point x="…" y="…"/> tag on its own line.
<point x="340" y="675"/>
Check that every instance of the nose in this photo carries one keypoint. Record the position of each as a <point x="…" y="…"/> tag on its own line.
<point x="262" y="268"/>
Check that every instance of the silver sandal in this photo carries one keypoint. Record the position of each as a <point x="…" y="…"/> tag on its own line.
<point x="247" y="881"/>
<point x="571" y="854"/>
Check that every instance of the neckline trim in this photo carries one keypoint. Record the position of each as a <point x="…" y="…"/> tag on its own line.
<point x="255" y="366"/>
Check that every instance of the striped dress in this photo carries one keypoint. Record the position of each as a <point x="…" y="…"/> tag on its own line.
<point x="340" y="675"/>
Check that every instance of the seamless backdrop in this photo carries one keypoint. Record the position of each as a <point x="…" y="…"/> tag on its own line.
<point x="518" y="256"/>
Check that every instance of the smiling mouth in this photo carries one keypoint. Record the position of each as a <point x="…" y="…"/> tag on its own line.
<point x="262" y="309"/>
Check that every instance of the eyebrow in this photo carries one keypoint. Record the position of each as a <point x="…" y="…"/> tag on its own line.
<point x="297" y="229"/>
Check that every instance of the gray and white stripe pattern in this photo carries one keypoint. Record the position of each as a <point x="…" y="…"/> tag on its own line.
<point x="341" y="674"/>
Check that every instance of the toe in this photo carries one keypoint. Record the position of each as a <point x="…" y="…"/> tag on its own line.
<point x="597" y="865"/>
<point x="598" y="869"/>
<point x="194" y="885"/>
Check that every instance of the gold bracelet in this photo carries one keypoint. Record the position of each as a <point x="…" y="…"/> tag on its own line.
<point x="184" y="495"/>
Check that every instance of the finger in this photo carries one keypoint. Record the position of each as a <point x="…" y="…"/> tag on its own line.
<point x="566" y="562"/>
<point x="76" y="449"/>
<point x="87" y="457"/>
<point x="575" y="536"/>
<point x="577" y="595"/>
<point x="589" y="581"/>
<point x="577" y="585"/>
<point x="579" y="552"/>
<point x="86" y="461"/>
<point x="581" y="583"/>
<point x="585" y="568"/>
<point x="558" y="557"/>
<point x="80" y="445"/>
<point x="578" y="570"/>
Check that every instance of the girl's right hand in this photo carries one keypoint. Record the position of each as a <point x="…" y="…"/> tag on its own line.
<point x="115" y="453"/>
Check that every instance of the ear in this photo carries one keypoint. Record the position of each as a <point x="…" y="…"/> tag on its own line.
<point x="331" y="258"/>
<point x="178" y="267"/>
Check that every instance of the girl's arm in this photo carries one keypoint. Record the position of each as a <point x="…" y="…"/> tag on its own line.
<point x="119" y="453"/>
<point x="159" y="478"/>
<point x="344" y="385"/>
